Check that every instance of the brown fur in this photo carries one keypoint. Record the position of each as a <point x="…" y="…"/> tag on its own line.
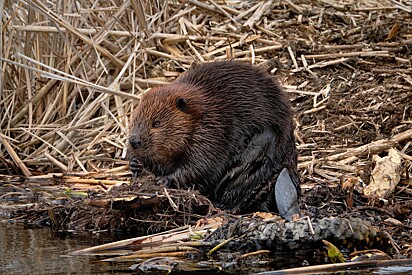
<point x="224" y="128"/>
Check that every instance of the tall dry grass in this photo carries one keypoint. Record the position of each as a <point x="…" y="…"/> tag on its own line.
<point x="71" y="73"/>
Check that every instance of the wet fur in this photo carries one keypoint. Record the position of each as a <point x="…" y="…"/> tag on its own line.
<point x="229" y="138"/>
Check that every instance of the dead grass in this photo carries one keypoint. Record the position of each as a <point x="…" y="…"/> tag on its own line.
<point x="72" y="72"/>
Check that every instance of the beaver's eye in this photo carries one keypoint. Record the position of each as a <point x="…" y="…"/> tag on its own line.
<point x="156" y="124"/>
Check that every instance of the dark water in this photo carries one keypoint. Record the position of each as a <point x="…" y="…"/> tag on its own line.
<point x="41" y="251"/>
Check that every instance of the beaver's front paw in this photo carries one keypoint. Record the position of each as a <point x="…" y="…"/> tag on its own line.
<point x="136" y="166"/>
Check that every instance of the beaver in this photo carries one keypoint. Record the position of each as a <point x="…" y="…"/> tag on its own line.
<point x="224" y="128"/>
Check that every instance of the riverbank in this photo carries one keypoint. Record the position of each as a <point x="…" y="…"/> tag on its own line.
<point x="72" y="73"/>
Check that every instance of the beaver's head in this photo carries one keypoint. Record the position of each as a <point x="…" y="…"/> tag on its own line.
<point x="163" y="125"/>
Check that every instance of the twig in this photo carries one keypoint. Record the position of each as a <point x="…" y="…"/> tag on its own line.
<point x="326" y="268"/>
<point x="292" y="56"/>
<point x="19" y="163"/>
<point x="206" y="7"/>
<point x="264" y="7"/>
<point x="296" y="8"/>
<point x="247" y="12"/>
<point x="352" y="54"/>
<point x="172" y="203"/>
<point x="371" y="148"/>
<point x="56" y="162"/>
<point x="93" y="181"/>
<point x="223" y="12"/>
<point x="219" y="246"/>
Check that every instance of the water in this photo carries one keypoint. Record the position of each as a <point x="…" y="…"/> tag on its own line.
<point x="42" y="251"/>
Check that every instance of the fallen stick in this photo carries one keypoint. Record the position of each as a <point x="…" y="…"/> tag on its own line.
<point x="19" y="163"/>
<point x="326" y="268"/>
<point x="353" y="54"/>
<point x="207" y="7"/>
<point x="133" y="257"/>
<point x="93" y="181"/>
<point x="180" y="234"/>
<point x="258" y="50"/>
<point x="257" y="15"/>
<point x="321" y="64"/>
<point x="54" y="161"/>
<point x="367" y="149"/>
<point x="52" y="29"/>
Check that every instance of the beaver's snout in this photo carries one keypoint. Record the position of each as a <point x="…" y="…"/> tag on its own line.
<point x="135" y="141"/>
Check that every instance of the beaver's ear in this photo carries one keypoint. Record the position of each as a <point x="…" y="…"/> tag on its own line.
<point x="181" y="104"/>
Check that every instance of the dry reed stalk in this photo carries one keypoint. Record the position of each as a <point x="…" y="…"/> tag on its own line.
<point x="146" y="244"/>
<point x="74" y="71"/>
<point x="134" y="257"/>
<point x="367" y="149"/>
<point x="14" y="156"/>
<point x="1" y="46"/>
<point x="93" y="181"/>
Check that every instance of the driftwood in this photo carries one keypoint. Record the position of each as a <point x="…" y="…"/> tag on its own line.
<point x="385" y="176"/>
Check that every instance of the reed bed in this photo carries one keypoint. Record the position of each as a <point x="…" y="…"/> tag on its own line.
<point x="72" y="72"/>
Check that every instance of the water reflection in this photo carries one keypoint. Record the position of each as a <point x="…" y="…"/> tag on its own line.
<point x="40" y="251"/>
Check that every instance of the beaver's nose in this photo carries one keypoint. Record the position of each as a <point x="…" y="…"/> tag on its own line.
<point x="135" y="141"/>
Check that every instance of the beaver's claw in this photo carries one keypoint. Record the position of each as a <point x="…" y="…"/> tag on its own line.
<point x="136" y="166"/>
